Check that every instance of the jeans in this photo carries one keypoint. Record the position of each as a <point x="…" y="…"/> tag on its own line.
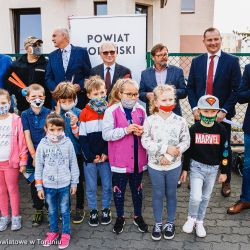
<point x="91" y="171"/>
<point x="164" y="183"/>
<point x="58" y="198"/>
<point x="245" y="191"/>
<point x="202" y="179"/>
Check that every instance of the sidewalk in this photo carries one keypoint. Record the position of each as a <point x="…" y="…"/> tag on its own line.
<point x="224" y="231"/>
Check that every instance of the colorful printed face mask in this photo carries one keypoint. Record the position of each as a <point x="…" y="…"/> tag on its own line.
<point x="167" y="108"/>
<point x="56" y="138"/>
<point x="128" y="103"/>
<point x="98" y="104"/>
<point x="208" y="120"/>
<point x="4" y="109"/>
<point x="37" y="103"/>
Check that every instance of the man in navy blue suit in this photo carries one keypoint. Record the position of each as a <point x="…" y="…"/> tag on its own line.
<point x="68" y="63"/>
<point x="244" y="97"/>
<point x="162" y="73"/>
<point x="216" y="73"/>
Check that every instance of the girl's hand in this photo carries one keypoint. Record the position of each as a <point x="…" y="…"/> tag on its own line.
<point x="40" y="194"/>
<point x="22" y="169"/>
<point x="222" y="178"/>
<point x="131" y="128"/>
<point x="139" y="130"/>
<point x="34" y="163"/>
<point x="73" y="190"/>
<point x="164" y="161"/>
<point x="104" y="157"/>
<point x="174" y="151"/>
<point x="58" y="108"/>
<point x="73" y="119"/>
<point x="97" y="159"/>
<point x="183" y="176"/>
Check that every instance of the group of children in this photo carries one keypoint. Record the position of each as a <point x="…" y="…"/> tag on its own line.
<point x="119" y="142"/>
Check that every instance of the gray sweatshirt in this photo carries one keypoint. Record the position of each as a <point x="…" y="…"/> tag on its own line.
<point x="56" y="164"/>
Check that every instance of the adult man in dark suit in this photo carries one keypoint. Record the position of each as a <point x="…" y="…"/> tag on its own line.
<point x="244" y="97"/>
<point x="68" y="63"/>
<point x="162" y="73"/>
<point x="216" y="73"/>
<point x="109" y="70"/>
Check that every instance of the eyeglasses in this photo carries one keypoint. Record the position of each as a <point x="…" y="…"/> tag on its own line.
<point x="162" y="55"/>
<point x="111" y="52"/>
<point x="130" y="95"/>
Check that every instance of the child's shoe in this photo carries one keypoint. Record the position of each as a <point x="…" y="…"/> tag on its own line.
<point x="38" y="218"/>
<point x="189" y="225"/>
<point x="200" y="230"/>
<point x="16" y="223"/>
<point x="64" y="241"/>
<point x="156" y="232"/>
<point x="93" y="218"/>
<point x="139" y="222"/>
<point x="78" y="216"/>
<point x="106" y="216"/>
<point x="50" y="238"/>
<point x="118" y="227"/>
<point x="4" y="221"/>
<point x="169" y="231"/>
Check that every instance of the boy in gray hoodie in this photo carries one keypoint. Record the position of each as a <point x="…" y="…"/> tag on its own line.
<point x="56" y="175"/>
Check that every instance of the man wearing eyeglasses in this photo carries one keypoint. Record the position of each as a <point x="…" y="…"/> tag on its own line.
<point x="162" y="73"/>
<point x="109" y="70"/>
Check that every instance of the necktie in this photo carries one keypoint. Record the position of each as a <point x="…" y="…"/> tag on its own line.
<point x="108" y="79"/>
<point x="210" y="76"/>
<point x="65" y="59"/>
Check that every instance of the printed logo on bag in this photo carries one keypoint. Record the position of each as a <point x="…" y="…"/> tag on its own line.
<point x="207" y="138"/>
<point x="211" y="100"/>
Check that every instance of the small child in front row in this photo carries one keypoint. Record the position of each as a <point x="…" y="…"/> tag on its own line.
<point x="33" y="120"/>
<point x="56" y="176"/>
<point x="13" y="158"/>
<point x="208" y="152"/>
<point x="66" y="98"/>
<point x="166" y="138"/>
<point x="95" y="150"/>
<point x="122" y="128"/>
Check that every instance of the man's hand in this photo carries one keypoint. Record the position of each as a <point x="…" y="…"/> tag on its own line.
<point x="40" y="194"/>
<point x="77" y="87"/>
<point x="73" y="190"/>
<point x="183" y="176"/>
<point x="150" y="96"/>
<point x="220" y="116"/>
<point x="196" y="114"/>
<point x="174" y="151"/>
<point x="222" y="178"/>
<point x="164" y="161"/>
<point x="22" y="169"/>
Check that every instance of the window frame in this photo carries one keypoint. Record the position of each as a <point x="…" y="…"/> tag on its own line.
<point x="96" y="3"/>
<point x="188" y="11"/>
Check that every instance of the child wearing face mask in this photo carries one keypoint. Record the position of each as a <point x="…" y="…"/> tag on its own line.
<point x="13" y="158"/>
<point x="56" y="176"/>
<point x="209" y="152"/>
<point x="95" y="150"/>
<point x="33" y="120"/>
<point x="122" y="128"/>
<point x="166" y="138"/>
<point x="66" y="98"/>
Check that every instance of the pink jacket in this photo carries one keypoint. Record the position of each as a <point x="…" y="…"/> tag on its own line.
<point x="120" y="144"/>
<point x="19" y="150"/>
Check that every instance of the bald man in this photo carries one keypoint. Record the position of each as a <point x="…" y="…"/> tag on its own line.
<point x="68" y="63"/>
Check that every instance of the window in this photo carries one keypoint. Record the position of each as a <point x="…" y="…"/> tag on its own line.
<point x="187" y="6"/>
<point x="100" y="8"/>
<point x="27" y="22"/>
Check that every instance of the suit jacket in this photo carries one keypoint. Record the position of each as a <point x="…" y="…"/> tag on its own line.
<point x="174" y="77"/>
<point x="79" y="67"/>
<point x="226" y="81"/>
<point x="244" y="97"/>
<point x="120" y="72"/>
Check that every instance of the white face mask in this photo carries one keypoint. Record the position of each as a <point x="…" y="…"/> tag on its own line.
<point x="69" y="106"/>
<point x="56" y="138"/>
<point x="37" y="103"/>
<point x="4" y="109"/>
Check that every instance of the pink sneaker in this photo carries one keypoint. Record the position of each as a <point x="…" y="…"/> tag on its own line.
<point x="64" y="242"/>
<point x="50" y="238"/>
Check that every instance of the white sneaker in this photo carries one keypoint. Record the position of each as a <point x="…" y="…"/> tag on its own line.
<point x="189" y="225"/>
<point x="4" y="221"/>
<point x="16" y="223"/>
<point x="200" y="230"/>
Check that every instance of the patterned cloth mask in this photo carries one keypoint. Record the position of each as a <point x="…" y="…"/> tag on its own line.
<point x="98" y="104"/>
<point x="208" y="120"/>
<point x="4" y="109"/>
<point x="37" y="103"/>
<point x="128" y="103"/>
<point x="55" y="138"/>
